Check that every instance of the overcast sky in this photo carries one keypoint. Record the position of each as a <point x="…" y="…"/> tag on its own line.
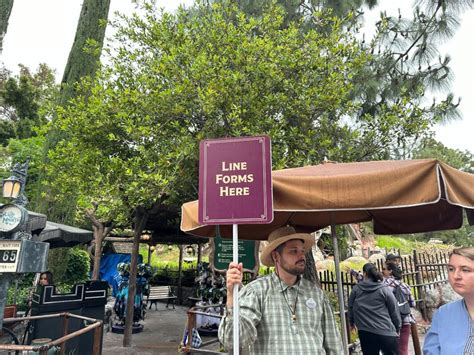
<point x="42" y="31"/>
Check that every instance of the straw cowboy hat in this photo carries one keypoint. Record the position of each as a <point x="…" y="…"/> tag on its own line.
<point x="280" y="236"/>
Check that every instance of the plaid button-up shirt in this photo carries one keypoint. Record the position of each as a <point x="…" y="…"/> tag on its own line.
<point x="266" y="323"/>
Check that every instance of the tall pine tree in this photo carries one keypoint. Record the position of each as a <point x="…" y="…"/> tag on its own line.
<point x="5" y="11"/>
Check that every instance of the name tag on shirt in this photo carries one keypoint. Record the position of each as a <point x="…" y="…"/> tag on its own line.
<point x="310" y="303"/>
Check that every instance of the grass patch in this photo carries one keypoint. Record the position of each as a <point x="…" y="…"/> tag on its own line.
<point x="405" y="245"/>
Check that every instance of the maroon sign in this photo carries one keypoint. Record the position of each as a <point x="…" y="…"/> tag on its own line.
<point x="235" y="181"/>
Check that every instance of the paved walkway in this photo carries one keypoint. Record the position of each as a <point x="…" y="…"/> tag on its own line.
<point x="162" y="334"/>
<point x="163" y="329"/>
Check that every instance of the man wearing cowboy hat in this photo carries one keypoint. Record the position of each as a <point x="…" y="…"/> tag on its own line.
<point x="282" y="313"/>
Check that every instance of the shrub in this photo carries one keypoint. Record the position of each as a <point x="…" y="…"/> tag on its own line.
<point x="77" y="266"/>
<point x="19" y="294"/>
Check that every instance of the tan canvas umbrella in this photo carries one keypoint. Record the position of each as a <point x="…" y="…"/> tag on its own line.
<point x="406" y="196"/>
<point x="399" y="196"/>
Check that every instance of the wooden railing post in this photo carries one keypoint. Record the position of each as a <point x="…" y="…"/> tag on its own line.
<point x="419" y="287"/>
<point x="65" y="332"/>
<point x="97" y="340"/>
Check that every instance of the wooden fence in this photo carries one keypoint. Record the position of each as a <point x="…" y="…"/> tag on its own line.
<point x="420" y="271"/>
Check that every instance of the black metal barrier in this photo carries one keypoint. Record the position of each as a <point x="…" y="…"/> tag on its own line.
<point x="87" y="300"/>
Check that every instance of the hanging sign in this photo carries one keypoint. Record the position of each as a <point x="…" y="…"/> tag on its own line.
<point x="235" y="183"/>
<point x="9" y="251"/>
<point x="12" y="218"/>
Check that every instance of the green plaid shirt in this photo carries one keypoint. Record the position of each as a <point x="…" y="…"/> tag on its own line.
<point x="266" y="324"/>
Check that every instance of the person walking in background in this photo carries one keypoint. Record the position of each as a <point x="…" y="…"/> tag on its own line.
<point x="374" y="311"/>
<point x="394" y="259"/>
<point x="393" y="279"/>
<point x="452" y="327"/>
<point x="282" y="313"/>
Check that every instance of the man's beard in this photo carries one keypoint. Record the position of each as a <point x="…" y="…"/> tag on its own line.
<point x="295" y="270"/>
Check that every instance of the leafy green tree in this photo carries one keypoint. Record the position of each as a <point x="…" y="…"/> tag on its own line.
<point x="175" y="79"/>
<point x="19" y="151"/>
<point x="431" y="148"/>
<point x="405" y="67"/>
<point x="24" y="100"/>
<point x="25" y="106"/>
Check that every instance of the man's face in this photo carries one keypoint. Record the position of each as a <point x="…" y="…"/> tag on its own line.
<point x="396" y="261"/>
<point x="292" y="259"/>
<point x="461" y="275"/>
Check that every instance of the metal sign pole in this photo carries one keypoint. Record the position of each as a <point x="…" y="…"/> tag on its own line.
<point x="340" y="295"/>
<point x="235" y="256"/>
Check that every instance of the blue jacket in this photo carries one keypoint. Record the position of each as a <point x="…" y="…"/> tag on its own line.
<point x="449" y="330"/>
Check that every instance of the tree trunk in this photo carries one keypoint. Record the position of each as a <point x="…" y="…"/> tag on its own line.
<point x="140" y="219"/>
<point x="6" y="7"/>
<point x="100" y="232"/>
<point x="310" y="272"/>
<point x="81" y="63"/>
<point x="97" y="255"/>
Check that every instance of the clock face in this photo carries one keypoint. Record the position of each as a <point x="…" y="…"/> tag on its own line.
<point x="11" y="218"/>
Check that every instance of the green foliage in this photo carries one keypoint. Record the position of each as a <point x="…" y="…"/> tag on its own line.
<point x="133" y="132"/>
<point x="404" y="66"/>
<point x="264" y="270"/>
<point x="85" y="52"/>
<point x="25" y="105"/>
<point x="19" y="295"/>
<point x="24" y="100"/>
<point x="78" y="266"/>
<point x="69" y="266"/>
<point x="325" y="242"/>
<point x="431" y="148"/>
<point x="169" y="275"/>
<point x="18" y="151"/>
<point x="405" y="245"/>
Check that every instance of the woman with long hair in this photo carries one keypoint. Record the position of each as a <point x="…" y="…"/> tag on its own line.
<point x="373" y="310"/>
<point x="46" y="278"/>
<point x="452" y="327"/>
<point x="393" y="278"/>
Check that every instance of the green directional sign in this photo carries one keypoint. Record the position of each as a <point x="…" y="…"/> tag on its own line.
<point x="223" y="254"/>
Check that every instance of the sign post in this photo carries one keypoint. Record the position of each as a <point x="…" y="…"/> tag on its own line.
<point x="235" y="187"/>
<point x="18" y="253"/>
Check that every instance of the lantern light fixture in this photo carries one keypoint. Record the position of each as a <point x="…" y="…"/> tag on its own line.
<point x="12" y="187"/>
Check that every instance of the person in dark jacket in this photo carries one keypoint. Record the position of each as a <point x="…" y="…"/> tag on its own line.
<point x="373" y="310"/>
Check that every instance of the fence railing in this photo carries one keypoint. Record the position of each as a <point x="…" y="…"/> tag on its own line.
<point x="420" y="271"/>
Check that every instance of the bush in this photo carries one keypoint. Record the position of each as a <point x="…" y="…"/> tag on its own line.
<point x="19" y="295"/>
<point x="77" y="267"/>
<point x="169" y="276"/>
<point x="69" y="266"/>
